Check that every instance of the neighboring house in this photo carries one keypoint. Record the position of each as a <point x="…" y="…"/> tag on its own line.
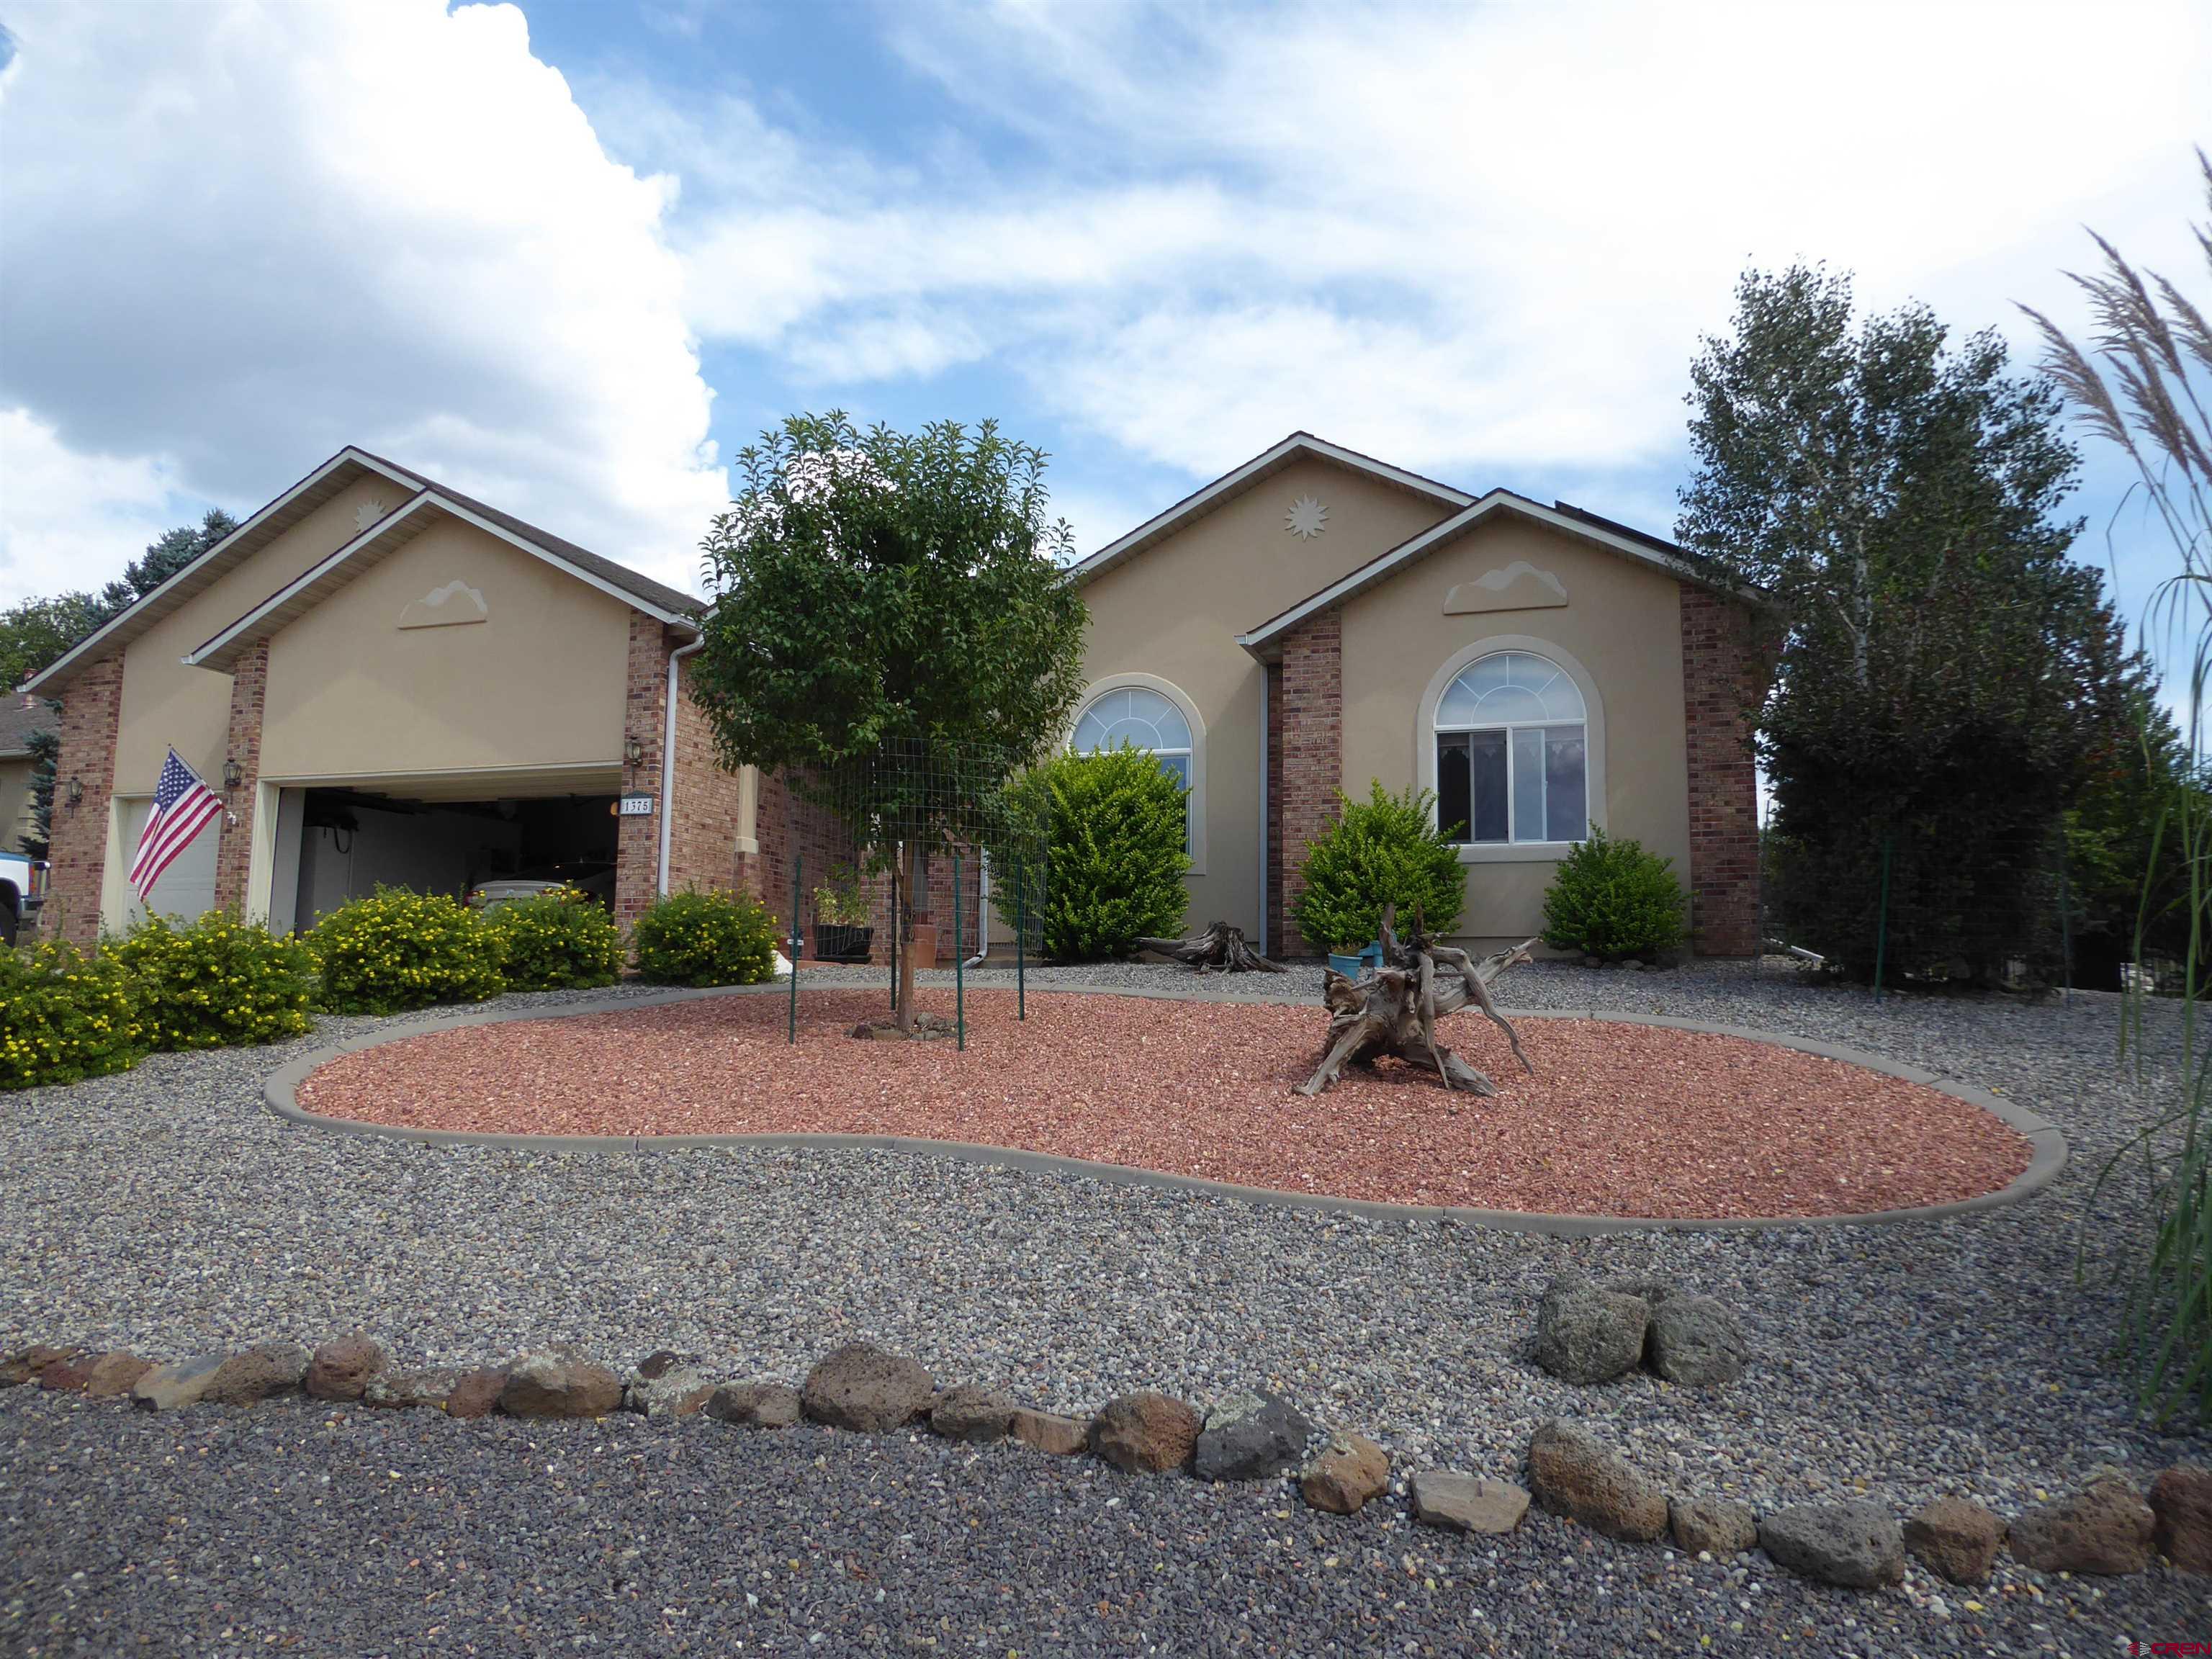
<point x="389" y="682"/>
<point x="21" y="718"/>
<point x="1316" y="619"/>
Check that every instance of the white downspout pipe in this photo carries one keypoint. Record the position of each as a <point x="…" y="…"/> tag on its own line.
<point x="668" y="762"/>
<point x="982" y="913"/>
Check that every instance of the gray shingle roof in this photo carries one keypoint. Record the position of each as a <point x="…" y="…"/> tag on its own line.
<point x="18" y="723"/>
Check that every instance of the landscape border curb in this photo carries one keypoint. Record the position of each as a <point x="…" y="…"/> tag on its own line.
<point x="2046" y="1141"/>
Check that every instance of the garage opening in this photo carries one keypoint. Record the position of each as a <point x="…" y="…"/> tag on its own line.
<point x="334" y="845"/>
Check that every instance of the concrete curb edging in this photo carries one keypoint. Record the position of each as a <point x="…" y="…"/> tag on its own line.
<point x="2046" y="1142"/>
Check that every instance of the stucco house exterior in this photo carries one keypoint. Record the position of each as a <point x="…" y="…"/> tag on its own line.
<point x="391" y="682"/>
<point x="1317" y="618"/>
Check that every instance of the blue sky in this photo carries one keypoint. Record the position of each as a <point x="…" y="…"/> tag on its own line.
<point x="571" y="257"/>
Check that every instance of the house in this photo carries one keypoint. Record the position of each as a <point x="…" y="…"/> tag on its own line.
<point x="390" y="682"/>
<point x="22" y="719"/>
<point x="1317" y="618"/>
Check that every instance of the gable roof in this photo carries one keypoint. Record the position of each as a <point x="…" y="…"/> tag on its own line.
<point x="22" y="718"/>
<point x="1265" y="641"/>
<point x="1231" y="484"/>
<point x="335" y="475"/>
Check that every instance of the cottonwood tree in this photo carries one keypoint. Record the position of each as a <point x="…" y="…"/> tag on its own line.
<point x="887" y="593"/>
<point x="1947" y="674"/>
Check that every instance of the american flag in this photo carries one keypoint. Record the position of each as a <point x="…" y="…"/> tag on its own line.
<point x="182" y="806"/>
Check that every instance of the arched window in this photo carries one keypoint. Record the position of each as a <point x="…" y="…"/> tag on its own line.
<point x="1149" y="719"/>
<point x="1511" y="755"/>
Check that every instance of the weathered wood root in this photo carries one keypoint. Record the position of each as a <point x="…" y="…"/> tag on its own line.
<point x="1394" y="1010"/>
<point x="1219" y="949"/>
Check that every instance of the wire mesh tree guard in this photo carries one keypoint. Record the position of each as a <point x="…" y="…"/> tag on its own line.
<point x="906" y="849"/>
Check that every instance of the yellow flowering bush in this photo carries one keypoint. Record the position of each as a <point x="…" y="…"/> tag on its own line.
<point x="216" y="982"/>
<point x="64" y="1016"/>
<point x="556" y="941"/>
<point x="397" y="950"/>
<point x="706" y="938"/>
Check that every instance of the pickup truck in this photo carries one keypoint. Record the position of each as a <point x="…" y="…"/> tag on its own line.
<point x="22" y="893"/>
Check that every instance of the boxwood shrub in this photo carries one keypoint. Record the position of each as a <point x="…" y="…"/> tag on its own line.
<point x="397" y="950"/>
<point x="706" y="938"/>
<point x="1115" y="832"/>
<point x="1613" y="899"/>
<point x="558" y="940"/>
<point x="1383" y="849"/>
<point x="215" y="981"/>
<point x="65" y="1017"/>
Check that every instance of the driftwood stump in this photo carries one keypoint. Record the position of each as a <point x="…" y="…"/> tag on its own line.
<point x="1219" y="949"/>
<point x="1394" y="1010"/>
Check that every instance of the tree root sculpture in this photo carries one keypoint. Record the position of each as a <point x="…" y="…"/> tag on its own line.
<point x="1220" y="949"/>
<point x="1394" y="1009"/>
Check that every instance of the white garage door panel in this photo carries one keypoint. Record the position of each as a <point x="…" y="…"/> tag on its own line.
<point x="186" y="888"/>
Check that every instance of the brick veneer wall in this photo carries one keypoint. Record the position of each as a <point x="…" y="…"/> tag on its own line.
<point x="1307" y="763"/>
<point x="77" y="844"/>
<point x="249" y="691"/>
<point x="637" y="840"/>
<point x="703" y="849"/>
<point x="1722" y="666"/>
<point x="1271" y="855"/>
<point x="787" y="825"/>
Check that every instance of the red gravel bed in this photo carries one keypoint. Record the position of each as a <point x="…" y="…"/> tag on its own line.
<point x="1619" y="1120"/>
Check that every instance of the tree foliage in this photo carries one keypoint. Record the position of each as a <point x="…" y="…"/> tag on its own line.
<point x="35" y="631"/>
<point x="1947" y="676"/>
<point x="880" y="592"/>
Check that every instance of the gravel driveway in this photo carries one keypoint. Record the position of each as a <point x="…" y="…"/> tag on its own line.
<point x="163" y="1211"/>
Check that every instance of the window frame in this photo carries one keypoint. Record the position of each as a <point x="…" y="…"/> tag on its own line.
<point x="1593" y="724"/>
<point x="1194" y="803"/>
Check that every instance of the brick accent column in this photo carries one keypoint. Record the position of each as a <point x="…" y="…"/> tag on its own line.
<point x="77" y="847"/>
<point x="249" y="691"/>
<point x="1309" y="728"/>
<point x="704" y="845"/>
<point x="1721" y="670"/>
<point x="637" y="840"/>
<point x="1271" y="854"/>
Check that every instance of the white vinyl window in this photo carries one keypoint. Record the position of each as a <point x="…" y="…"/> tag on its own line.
<point x="1143" y="719"/>
<point x="1512" y="761"/>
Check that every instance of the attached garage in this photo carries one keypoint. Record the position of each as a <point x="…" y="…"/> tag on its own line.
<point x="391" y="683"/>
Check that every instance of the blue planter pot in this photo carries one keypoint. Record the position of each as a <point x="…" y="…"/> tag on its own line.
<point x="1353" y="966"/>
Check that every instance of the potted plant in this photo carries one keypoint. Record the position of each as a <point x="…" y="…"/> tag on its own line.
<point x="842" y="933"/>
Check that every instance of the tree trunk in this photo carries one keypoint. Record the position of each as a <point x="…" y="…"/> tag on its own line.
<point x="907" y="878"/>
<point x="1220" y="949"/>
<point x="1395" y="1008"/>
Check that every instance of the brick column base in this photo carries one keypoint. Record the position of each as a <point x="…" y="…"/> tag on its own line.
<point x="249" y="690"/>
<point x="85" y="769"/>
<point x="1306" y="752"/>
<point x="1721" y="671"/>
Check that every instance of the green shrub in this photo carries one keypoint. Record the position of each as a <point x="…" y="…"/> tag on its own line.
<point x="216" y="982"/>
<point x="1613" y="899"/>
<point x="558" y="940"/>
<point x="64" y="1016"/>
<point x="706" y="938"/>
<point x="1384" y="849"/>
<point x="1115" y="833"/>
<point x="397" y="950"/>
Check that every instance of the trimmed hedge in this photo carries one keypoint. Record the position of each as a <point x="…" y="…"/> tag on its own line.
<point x="216" y="982"/>
<point x="706" y="938"/>
<point x="1383" y="849"/>
<point x="560" y="940"/>
<point x="1613" y="899"/>
<point x="1115" y="833"/>
<point x="65" y="1017"/>
<point x="397" y="950"/>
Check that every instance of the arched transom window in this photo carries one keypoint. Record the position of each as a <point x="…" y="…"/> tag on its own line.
<point x="1143" y="719"/>
<point x="1511" y="760"/>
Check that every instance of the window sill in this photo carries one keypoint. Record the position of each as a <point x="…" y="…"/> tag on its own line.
<point x="1516" y="852"/>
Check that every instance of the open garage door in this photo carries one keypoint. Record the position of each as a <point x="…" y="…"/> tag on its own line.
<point x="335" y="844"/>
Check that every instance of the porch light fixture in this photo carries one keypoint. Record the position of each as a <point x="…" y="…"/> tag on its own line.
<point x="232" y="777"/>
<point x="633" y="752"/>
<point x="75" y="791"/>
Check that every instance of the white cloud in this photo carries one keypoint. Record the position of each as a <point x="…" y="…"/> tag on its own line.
<point x="1472" y="239"/>
<point x="241" y="236"/>
<point x="70" y="520"/>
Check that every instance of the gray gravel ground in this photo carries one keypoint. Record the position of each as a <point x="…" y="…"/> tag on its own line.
<point x="163" y="1211"/>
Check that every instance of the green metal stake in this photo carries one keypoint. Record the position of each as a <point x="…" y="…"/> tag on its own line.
<point x="797" y="944"/>
<point x="959" y="968"/>
<point x="2065" y="937"/>
<point x="1021" y="947"/>
<point x="1881" y="921"/>
<point x="897" y="859"/>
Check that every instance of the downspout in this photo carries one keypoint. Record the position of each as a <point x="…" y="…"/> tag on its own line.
<point x="982" y="913"/>
<point x="1267" y="712"/>
<point x="668" y="762"/>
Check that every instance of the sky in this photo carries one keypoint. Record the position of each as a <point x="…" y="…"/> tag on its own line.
<point x="571" y="258"/>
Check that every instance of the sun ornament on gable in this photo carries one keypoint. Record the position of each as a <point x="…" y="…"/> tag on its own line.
<point x="1307" y="518"/>
<point x="369" y="513"/>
